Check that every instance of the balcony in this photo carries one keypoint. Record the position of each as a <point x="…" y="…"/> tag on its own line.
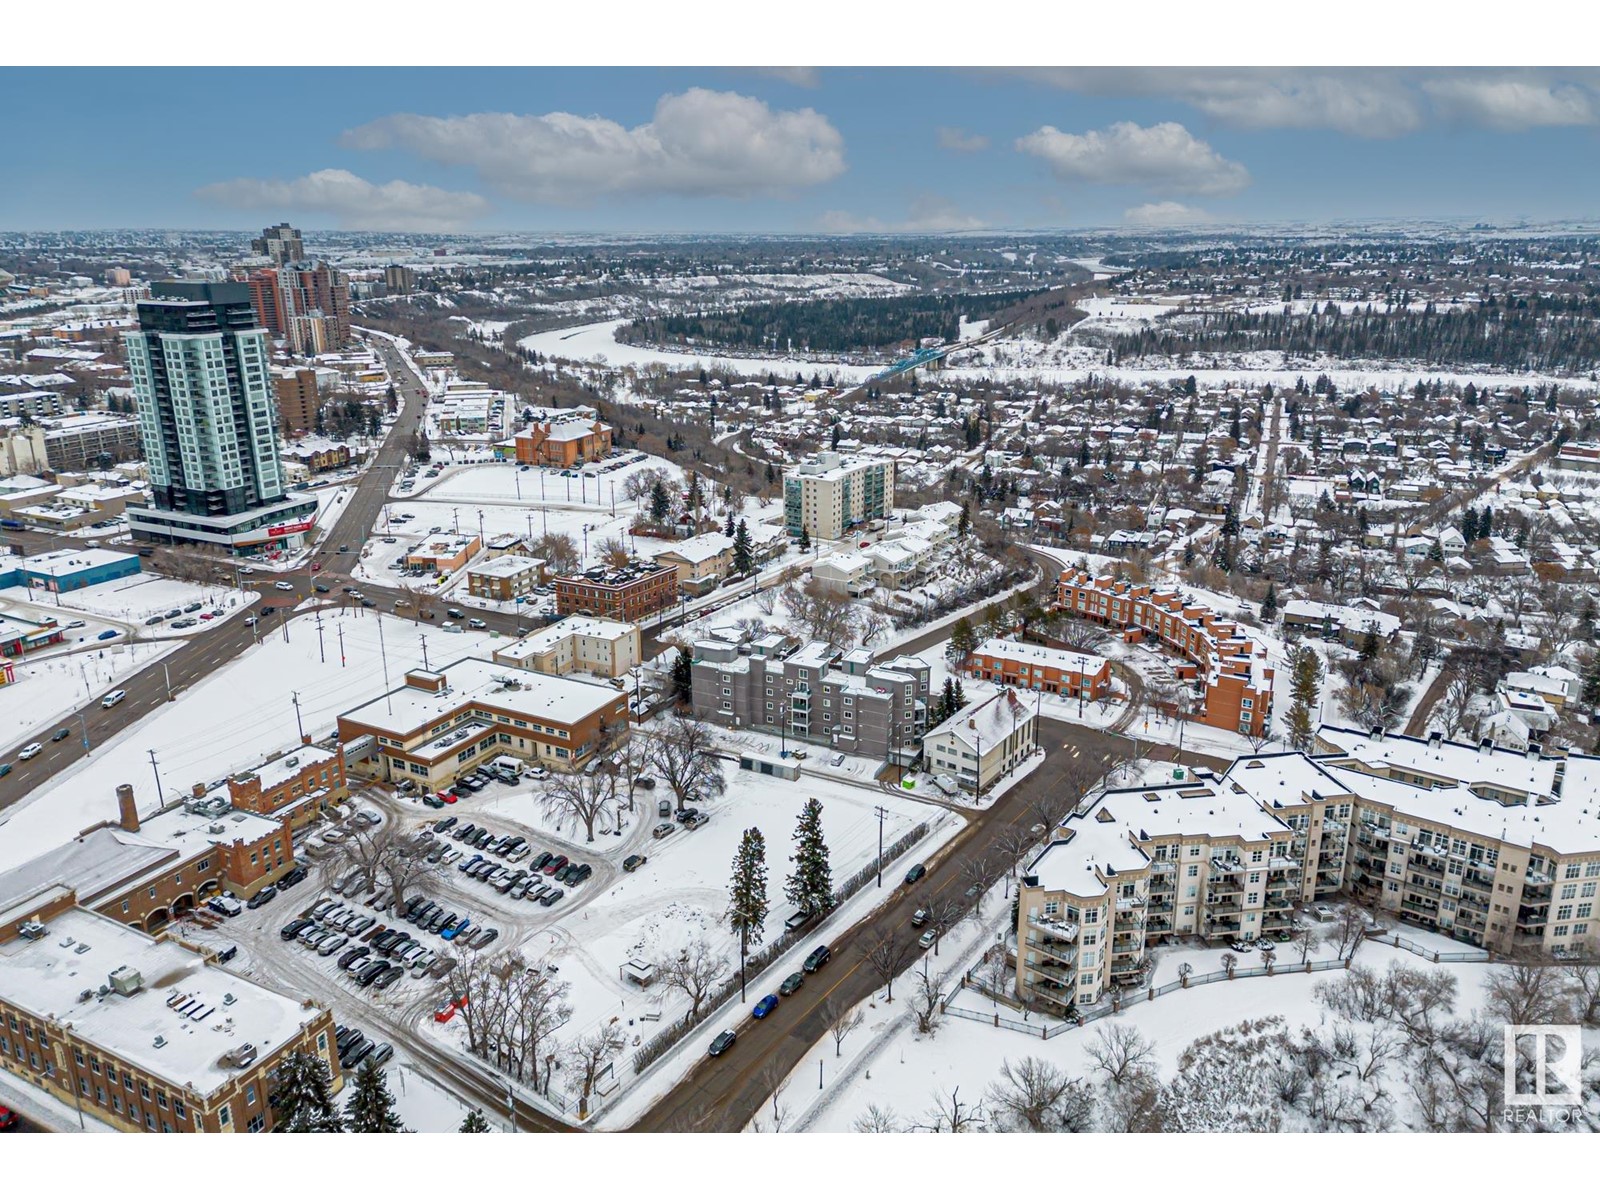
<point x="1424" y="883"/>
<point x="1163" y="866"/>
<point x="1159" y="906"/>
<point x="1226" y="866"/>
<point x="1130" y="903"/>
<point x="1055" y="930"/>
<point x="1059" y="978"/>
<point x="1427" y="864"/>
<point x="1056" y="951"/>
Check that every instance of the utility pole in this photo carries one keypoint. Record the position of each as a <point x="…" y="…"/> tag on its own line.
<point x="322" y="653"/>
<point x="342" y="662"/>
<point x="882" y="813"/>
<point x="167" y="674"/>
<point x="383" y="653"/>
<point x="154" y="770"/>
<point x="294" y="698"/>
<point x="424" y="639"/>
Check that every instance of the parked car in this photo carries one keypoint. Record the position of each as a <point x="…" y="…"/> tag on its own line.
<point x="664" y="829"/>
<point x="225" y="906"/>
<point x="294" y="928"/>
<point x="919" y="918"/>
<point x="928" y="938"/>
<point x="723" y="1042"/>
<point x="792" y="984"/>
<point x="264" y="896"/>
<point x="1242" y="947"/>
<point x="633" y="862"/>
<point x="764" y="1006"/>
<point x="816" y="960"/>
<point x="915" y="874"/>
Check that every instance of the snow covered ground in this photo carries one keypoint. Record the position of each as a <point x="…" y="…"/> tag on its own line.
<point x="598" y="343"/>
<point x="233" y="719"/>
<point x="49" y="688"/>
<point x="901" y="1070"/>
<point x="129" y="601"/>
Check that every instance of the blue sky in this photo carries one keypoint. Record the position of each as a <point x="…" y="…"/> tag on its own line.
<point x="791" y="150"/>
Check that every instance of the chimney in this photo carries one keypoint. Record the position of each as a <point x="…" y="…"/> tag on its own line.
<point x="128" y="811"/>
<point x="305" y="739"/>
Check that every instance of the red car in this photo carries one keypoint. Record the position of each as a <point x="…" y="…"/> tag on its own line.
<point x="444" y="1012"/>
<point x="448" y="797"/>
<point x="555" y="864"/>
<point x="8" y="1119"/>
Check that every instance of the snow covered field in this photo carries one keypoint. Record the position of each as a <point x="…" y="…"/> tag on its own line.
<point x="232" y="720"/>
<point x="598" y="343"/>
<point x="131" y="600"/>
<point x="49" y="688"/>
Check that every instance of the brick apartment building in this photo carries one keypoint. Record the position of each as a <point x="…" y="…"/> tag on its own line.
<point x="629" y="593"/>
<point x="1231" y="671"/>
<point x="442" y="724"/>
<point x="592" y="644"/>
<point x="1040" y="668"/>
<point x="564" y="443"/>
<point x="505" y="577"/>
<point x="298" y="400"/>
<point x="295" y="787"/>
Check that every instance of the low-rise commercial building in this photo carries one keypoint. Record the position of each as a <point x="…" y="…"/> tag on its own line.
<point x="296" y="786"/>
<point x="68" y="570"/>
<point x="443" y="553"/>
<point x="564" y="443"/>
<point x="442" y="724"/>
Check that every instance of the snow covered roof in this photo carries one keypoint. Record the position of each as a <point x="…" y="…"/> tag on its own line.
<point x="1036" y="655"/>
<point x="986" y="722"/>
<point x="527" y="694"/>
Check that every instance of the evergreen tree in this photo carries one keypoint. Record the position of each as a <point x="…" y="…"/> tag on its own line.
<point x="744" y="555"/>
<point x="747" y="895"/>
<point x="1269" y="606"/>
<point x="963" y="641"/>
<point x="1369" y="645"/>
<point x="810" y="885"/>
<point x="660" y="503"/>
<point x="683" y="677"/>
<point x="961" y="697"/>
<point x="474" y="1123"/>
<point x="964" y="521"/>
<point x="1591" y="684"/>
<point x="696" y="495"/>
<point x="727" y="528"/>
<point x="370" y="1108"/>
<point x="1304" y="685"/>
<point x="302" y="1096"/>
<point x="1469" y="526"/>
<point x="833" y="436"/>
<point x="805" y="540"/>
<point x="1486" y="522"/>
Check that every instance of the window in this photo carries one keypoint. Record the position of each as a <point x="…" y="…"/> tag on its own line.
<point x="250" y="1094"/>
<point x="256" y="1123"/>
<point x="1192" y="871"/>
<point x="225" y="1116"/>
<point x="178" y="1109"/>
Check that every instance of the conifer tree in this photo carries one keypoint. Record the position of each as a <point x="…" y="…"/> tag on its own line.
<point x="474" y="1123"/>
<point x="744" y="558"/>
<point x="370" y="1108"/>
<point x="1269" y="606"/>
<point x="683" y="676"/>
<point x="302" y="1096"/>
<point x="747" y="895"/>
<point x="810" y="885"/>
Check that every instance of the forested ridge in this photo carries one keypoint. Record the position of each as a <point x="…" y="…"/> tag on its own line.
<point x="840" y="325"/>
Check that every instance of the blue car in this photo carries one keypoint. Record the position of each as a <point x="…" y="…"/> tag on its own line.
<point x="108" y="635"/>
<point x="764" y="1006"/>
<point x="456" y="931"/>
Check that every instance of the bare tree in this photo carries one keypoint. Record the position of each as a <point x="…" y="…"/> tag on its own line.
<point x="1119" y="1052"/>
<point x="685" y="755"/>
<point x="887" y="951"/>
<point x="1036" y="1095"/>
<point x="820" y="614"/>
<point x="974" y="871"/>
<point x="948" y="1114"/>
<point x="842" y="1026"/>
<point x="1529" y="993"/>
<point x="388" y="857"/>
<point x="559" y="551"/>
<point x="1305" y="939"/>
<point x="514" y="1010"/>
<point x="695" y="971"/>
<point x="774" y="1081"/>
<point x="1133" y="1106"/>
<point x="1350" y="924"/>
<point x="923" y="1003"/>
<point x="585" y="796"/>
<point x="1229" y="961"/>
<point x="588" y="1057"/>
<point x="878" y="1120"/>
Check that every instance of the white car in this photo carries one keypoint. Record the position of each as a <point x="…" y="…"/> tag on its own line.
<point x="283" y="585"/>
<point x="30" y="750"/>
<point x="251" y="620"/>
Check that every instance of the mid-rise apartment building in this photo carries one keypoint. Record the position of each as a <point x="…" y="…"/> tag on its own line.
<point x="442" y="724"/>
<point x="1492" y="848"/>
<point x="298" y="400"/>
<point x="564" y="443"/>
<point x="281" y="243"/>
<point x="1232" y="672"/>
<point x="828" y="494"/>
<point x="90" y="441"/>
<point x="505" y="577"/>
<point x="629" y="593"/>
<point x="847" y="700"/>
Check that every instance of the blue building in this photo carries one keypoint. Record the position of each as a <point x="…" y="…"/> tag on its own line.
<point x="68" y="570"/>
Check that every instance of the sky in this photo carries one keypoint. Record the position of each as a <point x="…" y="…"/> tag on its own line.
<point x="792" y="150"/>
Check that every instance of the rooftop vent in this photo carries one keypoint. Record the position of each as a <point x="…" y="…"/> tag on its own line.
<point x="32" y="930"/>
<point x="125" y="981"/>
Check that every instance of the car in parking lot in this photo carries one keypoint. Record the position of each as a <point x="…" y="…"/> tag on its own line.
<point x="262" y="897"/>
<point x="482" y="938"/>
<point x="723" y="1042"/>
<point x="816" y="960"/>
<point x="555" y="864"/>
<point x="292" y="930"/>
<point x="1242" y="947"/>
<point x="633" y="862"/>
<point x="764" y="1006"/>
<point x="665" y="829"/>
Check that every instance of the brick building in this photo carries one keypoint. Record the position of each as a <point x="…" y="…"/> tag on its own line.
<point x="1040" y="668"/>
<point x="295" y="786"/>
<point x="629" y="593"/>
<point x="505" y="577"/>
<point x="442" y="724"/>
<point x="1230" y="670"/>
<point x="564" y="443"/>
<point x="298" y="400"/>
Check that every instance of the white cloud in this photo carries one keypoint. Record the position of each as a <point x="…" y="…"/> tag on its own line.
<point x="1165" y="212"/>
<point x="927" y="214"/>
<point x="960" y="140"/>
<point x="699" y="143"/>
<point x="1359" y="102"/>
<point x="354" y="202"/>
<point x="1164" y="157"/>
<point x="1511" y="103"/>
<point x="806" y="77"/>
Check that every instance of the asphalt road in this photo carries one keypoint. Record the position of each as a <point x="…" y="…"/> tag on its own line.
<point x="723" y="1094"/>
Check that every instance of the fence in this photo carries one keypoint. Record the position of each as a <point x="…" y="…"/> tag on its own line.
<point x="1124" y="1000"/>
<point x="1438" y="956"/>
<point x="758" y="961"/>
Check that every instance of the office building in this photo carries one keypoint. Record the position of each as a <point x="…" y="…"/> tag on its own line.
<point x="983" y="741"/>
<point x="827" y="495"/>
<point x="592" y="644"/>
<point x="207" y="419"/>
<point x="281" y="243"/>
<point x="629" y="593"/>
<point x="398" y="280"/>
